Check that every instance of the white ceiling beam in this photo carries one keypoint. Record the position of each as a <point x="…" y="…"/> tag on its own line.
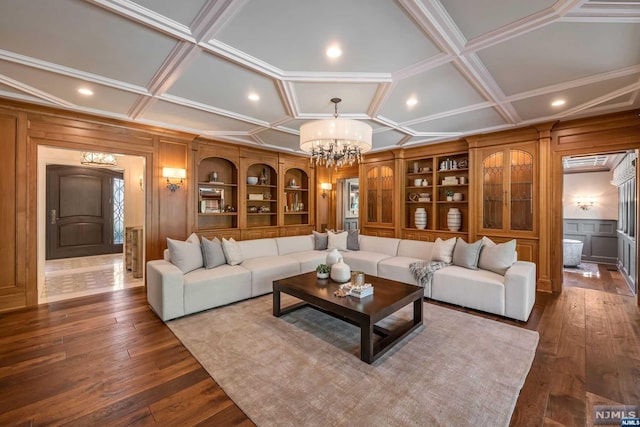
<point x="71" y="72"/>
<point x="596" y="78"/>
<point x="35" y="92"/>
<point x="209" y="109"/>
<point x="149" y="18"/>
<point x="213" y="16"/>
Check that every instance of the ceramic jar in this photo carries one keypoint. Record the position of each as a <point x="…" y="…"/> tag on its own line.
<point x="454" y="219"/>
<point x="417" y="182"/>
<point x="425" y="183"/>
<point x="457" y="197"/>
<point x="333" y="257"/>
<point x="420" y="218"/>
<point x="340" y="272"/>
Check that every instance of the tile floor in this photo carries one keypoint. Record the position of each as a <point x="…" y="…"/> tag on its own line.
<point x="76" y="277"/>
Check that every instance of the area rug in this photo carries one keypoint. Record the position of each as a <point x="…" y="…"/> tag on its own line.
<point x="584" y="267"/>
<point x="303" y="369"/>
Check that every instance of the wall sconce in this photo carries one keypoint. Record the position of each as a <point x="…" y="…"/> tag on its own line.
<point x="141" y="182"/>
<point x="174" y="173"/>
<point x="585" y="204"/>
<point x="325" y="186"/>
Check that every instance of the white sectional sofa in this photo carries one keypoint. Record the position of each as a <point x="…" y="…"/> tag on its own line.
<point x="171" y="293"/>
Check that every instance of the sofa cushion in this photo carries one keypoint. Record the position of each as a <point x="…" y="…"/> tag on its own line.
<point x="397" y="268"/>
<point x="480" y="289"/>
<point x="212" y="253"/>
<point x="337" y="240"/>
<point x="258" y="248"/>
<point x="364" y="261"/>
<point x="309" y="260"/>
<point x="416" y="249"/>
<point x="380" y="245"/>
<point x="287" y="245"/>
<point x="443" y="250"/>
<point x="232" y="251"/>
<point x="186" y="256"/>
<point x="321" y="241"/>
<point x="353" y="240"/>
<point x="466" y="254"/>
<point x="204" y="289"/>
<point x="498" y="258"/>
<point x="266" y="269"/>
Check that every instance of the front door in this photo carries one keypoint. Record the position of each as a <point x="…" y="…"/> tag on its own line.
<point x="80" y="211"/>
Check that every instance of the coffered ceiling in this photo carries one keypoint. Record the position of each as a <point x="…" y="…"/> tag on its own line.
<point x="471" y="66"/>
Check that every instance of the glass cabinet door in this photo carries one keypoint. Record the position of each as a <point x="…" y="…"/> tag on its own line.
<point x="379" y="195"/>
<point x="521" y="202"/>
<point x="493" y="192"/>
<point x="508" y="178"/>
<point x="372" y="195"/>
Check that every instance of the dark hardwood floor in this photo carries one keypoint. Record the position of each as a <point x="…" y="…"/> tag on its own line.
<point x="108" y="360"/>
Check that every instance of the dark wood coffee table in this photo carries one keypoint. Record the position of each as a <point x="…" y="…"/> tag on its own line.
<point x="388" y="297"/>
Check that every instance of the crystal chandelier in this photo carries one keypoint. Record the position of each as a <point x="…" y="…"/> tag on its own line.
<point x="98" y="159"/>
<point x="335" y="142"/>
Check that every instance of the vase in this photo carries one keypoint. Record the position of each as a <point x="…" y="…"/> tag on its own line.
<point x="340" y="272"/>
<point x="420" y="218"/>
<point x="454" y="219"/>
<point x="332" y="257"/>
<point x="457" y="197"/>
<point x="417" y="182"/>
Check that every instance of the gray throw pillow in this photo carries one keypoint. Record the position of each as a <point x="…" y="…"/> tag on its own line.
<point x="353" y="243"/>
<point x="212" y="253"/>
<point x="186" y="256"/>
<point x="321" y="241"/>
<point x="498" y="258"/>
<point x="467" y="254"/>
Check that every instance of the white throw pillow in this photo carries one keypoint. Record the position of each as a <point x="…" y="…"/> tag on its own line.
<point x="232" y="251"/>
<point x="443" y="250"/>
<point x="467" y="254"/>
<point x="193" y="238"/>
<point x="212" y="253"/>
<point x="498" y="258"/>
<point x="488" y="242"/>
<point x="337" y="240"/>
<point x="186" y="256"/>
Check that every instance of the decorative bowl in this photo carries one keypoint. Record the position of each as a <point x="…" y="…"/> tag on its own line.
<point x="252" y="180"/>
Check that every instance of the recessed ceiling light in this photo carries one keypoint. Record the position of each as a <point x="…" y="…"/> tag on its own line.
<point x="334" y="51"/>
<point x="254" y="97"/>
<point x="412" y="101"/>
<point x="558" y="102"/>
<point x="85" y="91"/>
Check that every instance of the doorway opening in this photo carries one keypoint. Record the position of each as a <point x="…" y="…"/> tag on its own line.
<point x="599" y="216"/>
<point x="94" y="242"/>
<point x="347" y="203"/>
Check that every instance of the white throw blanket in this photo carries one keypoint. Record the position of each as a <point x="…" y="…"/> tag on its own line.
<point x="423" y="271"/>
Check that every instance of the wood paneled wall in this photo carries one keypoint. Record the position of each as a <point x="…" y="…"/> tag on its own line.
<point x="24" y="127"/>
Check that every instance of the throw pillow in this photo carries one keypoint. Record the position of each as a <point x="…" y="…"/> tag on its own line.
<point x="353" y="242"/>
<point x="321" y="241"/>
<point x="467" y="254"/>
<point x="337" y="240"/>
<point x="193" y="238"/>
<point x="498" y="258"/>
<point x="488" y="242"/>
<point x="232" y="251"/>
<point x="443" y="250"/>
<point x="212" y="253"/>
<point x="186" y="256"/>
